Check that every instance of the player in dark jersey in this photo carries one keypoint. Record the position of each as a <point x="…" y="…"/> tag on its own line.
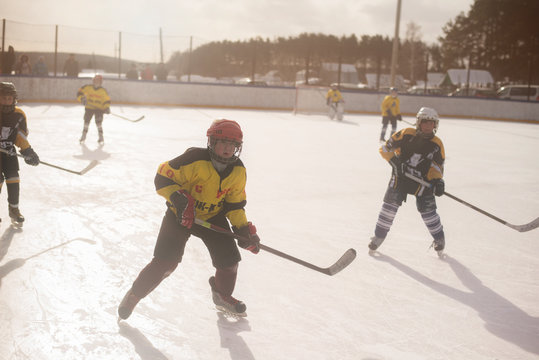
<point x="14" y="132"/>
<point x="418" y="152"/>
<point x="208" y="184"/>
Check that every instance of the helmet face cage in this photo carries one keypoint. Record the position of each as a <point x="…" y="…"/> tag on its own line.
<point x="212" y="141"/>
<point x="427" y="114"/>
<point x="227" y="131"/>
<point x="8" y="89"/>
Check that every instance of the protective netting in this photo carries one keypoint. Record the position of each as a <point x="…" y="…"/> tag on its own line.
<point x="140" y="48"/>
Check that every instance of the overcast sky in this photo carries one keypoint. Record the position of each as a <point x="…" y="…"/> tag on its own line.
<point x="240" y="19"/>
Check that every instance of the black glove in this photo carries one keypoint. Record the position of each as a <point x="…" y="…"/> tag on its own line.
<point x="438" y="187"/>
<point x="185" y="207"/>
<point x="83" y="100"/>
<point x="399" y="117"/>
<point x="248" y="231"/>
<point x="398" y="166"/>
<point x="107" y="111"/>
<point x="30" y="156"/>
<point x="327" y="102"/>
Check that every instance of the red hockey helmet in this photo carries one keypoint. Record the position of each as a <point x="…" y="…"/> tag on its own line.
<point x="227" y="130"/>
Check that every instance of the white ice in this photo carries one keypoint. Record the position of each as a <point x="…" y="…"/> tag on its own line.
<point x="314" y="189"/>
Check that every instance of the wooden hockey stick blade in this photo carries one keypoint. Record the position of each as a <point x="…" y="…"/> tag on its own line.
<point x="522" y="228"/>
<point x="525" y="227"/>
<point x="90" y="166"/>
<point x="128" y="119"/>
<point x="345" y="260"/>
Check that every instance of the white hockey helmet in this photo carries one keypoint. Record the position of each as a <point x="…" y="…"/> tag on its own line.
<point x="426" y="113"/>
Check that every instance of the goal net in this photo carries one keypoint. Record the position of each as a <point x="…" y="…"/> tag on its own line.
<point x="311" y="99"/>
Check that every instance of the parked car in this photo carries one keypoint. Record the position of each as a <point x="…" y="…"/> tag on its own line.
<point x="519" y="92"/>
<point x="420" y="90"/>
<point x="475" y="92"/>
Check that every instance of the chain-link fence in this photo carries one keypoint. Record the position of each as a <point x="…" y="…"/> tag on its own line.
<point x="108" y="51"/>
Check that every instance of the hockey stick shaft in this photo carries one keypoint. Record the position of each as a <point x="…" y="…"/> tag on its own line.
<point x="409" y="123"/>
<point x="126" y="118"/>
<point x="82" y="172"/>
<point x="344" y="261"/>
<point x="522" y="228"/>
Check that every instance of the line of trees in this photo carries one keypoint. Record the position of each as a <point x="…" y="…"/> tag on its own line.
<point x="501" y="36"/>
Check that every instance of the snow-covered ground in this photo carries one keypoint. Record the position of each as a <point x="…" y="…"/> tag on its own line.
<point x="314" y="190"/>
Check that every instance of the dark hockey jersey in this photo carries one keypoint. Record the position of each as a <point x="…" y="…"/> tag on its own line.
<point x="13" y="130"/>
<point x="424" y="158"/>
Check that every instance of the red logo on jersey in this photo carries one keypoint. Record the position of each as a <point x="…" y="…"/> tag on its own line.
<point x="198" y="188"/>
<point x="221" y="193"/>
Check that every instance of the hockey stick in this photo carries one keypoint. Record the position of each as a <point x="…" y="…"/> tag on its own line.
<point x="128" y="119"/>
<point x="90" y="166"/>
<point x="409" y="123"/>
<point x="340" y="264"/>
<point x="522" y="228"/>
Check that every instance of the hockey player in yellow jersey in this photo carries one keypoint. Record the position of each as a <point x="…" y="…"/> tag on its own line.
<point x="208" y="184"/>
<point x="96" y="101"/>
<point x="335" y="101"/>
<point x="391" y="112"/>
<point x="14" y="133"/>
<point x="418" y="152"/>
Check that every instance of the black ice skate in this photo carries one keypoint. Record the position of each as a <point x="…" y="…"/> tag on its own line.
<point x="101" y="141"/>
<point x="227" y="304"/>
<point x="127" y="305"/>
<point x="15" y="215"/>
<point x="82" y="139"/>
<point x="375" y="244"/>
<point x="439" y="245"/>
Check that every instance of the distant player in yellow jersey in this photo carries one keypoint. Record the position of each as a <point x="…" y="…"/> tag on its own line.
<point x="335" y="101"/>
<point x="391" y="112"/>
<point x="96" y="101"/>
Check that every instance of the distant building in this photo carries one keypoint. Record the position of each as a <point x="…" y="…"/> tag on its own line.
<point x="329" y="73"/>
<point x="460" y="77"/>
<point x="433" y="80"/>
<point x="384" y="82"/>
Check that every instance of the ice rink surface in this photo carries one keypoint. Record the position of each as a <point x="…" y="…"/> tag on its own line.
<point x="314" y="189"/>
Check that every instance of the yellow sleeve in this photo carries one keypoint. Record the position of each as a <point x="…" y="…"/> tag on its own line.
<point x="385" y="104"/>
<point x="168" y="180"/>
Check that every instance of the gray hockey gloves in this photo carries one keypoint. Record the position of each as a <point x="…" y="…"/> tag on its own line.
<point x="30" y="156"/>
<point x="438" y="187"/>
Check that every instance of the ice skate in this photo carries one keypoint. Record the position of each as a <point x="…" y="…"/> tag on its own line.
<point x="101" y="141"/>
<point x="16" y="217"/>
<point x="127" y="305"/>
<point x="227" y="304"/>
<point x="82" y="139"/>
<point x="375" y="244"/>
<point x="439" y="245"/>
